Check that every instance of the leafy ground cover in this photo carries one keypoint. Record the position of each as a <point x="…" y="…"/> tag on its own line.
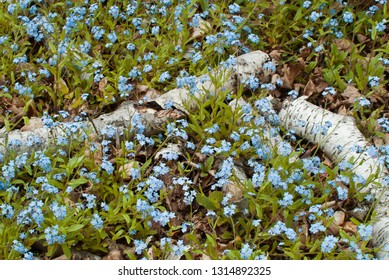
<point x="208" y="186"/>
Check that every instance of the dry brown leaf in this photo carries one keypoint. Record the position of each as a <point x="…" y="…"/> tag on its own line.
<point x="102" y="84"/>
<point x="289" y="73"/>
<point x="141" y="88"/>
<point x="33" y="123"/>
<point x="152" y="94"/>
<point x="98" y="156"/>
<point x="328" y="204"/>
<point x="150" y="253"/>
<point x="351" y="93"/>
<point x="297" y="87"/>
<point x="18" y="102"/>
<point x="309" y="88"/>
<point x="200" y="156"/>
<point x="361" y="38"/>
<point x="234" y="190"/>
<point x="349" y="227"/>
<point x="378" y="142"/>
<point x="204" y="257"/>
<point x="335" y="103"/>
<point x="328" y="162"/>
<point x="305" y="52"/>
<point x="79" y="255"/>
<point x="15" y="109"/>
<point x="386" y="138"/>
<point x="274" y="78"/>
<point x="343" y="111"/>
<point x="276" y="55"/>
<point x="374" y="97"/>
<point x="344" y="44"/>
<point x="321" y="85"/>
<point x="114" y="255"/>
<point x="332" y="229"/>
<point x="201" y="30"/>
<point x="125" y="169"/>
<point x="359" y="213"/>
<point x="339" y="217"/>
<point x="170" y="148"/>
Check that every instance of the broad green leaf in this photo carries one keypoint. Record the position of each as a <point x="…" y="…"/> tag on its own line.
<point x="76" y="182"/>
<point x="205" y="202"/>
<point x="66" y="250"/>
<point x="75" y="228"/>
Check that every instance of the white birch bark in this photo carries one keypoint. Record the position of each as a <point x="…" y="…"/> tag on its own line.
<point x="246" y="65"/>
<point x="120" y="119"/>
<point x="343" y="133"/>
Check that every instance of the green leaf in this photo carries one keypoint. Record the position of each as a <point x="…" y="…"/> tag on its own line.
<point x="75" y="161"/>
<point x="227" y="235"/>
<point x="373" y="32"/>
<point x="204" y="4"/>
<point x="118" y="235"/>
<point x="66" y="250"/>
<point x="209" y="163"/>
<point x="76" y="182"/>
<point x="355" y="221"/>
<point x="205" y="202"/>
<point x="51" y="249"/>
<point x="126" y="218"/>
<point x="211" y="241"/>
<point x="216" y="197"/>
<point x="74" y="228"/>
<point x="192" y="237"/>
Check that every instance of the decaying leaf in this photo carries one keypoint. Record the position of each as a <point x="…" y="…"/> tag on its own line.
<point x="351" y="93"/>
<point x="359" y="213"/>
<point x="235" y="192"/>
<point x="33" y="123"/>
<point x="339" y="217"/>
<point x="201" y="30"/>
<point x="125" y="169"/>
<point x="170" y="148"/>
<point x="344" y="44"/>
<point x="102" y="84"/>
<point x="276" y="55"/>
<point x="350" y="227"/>
<point x="289" y="72"/>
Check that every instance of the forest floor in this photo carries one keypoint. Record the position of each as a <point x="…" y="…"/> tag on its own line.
<point x="208" y="184"/>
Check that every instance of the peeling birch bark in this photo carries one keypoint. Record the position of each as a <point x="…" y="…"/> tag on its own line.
<point x="153" y="119"/>
<point x="343" y="133"/>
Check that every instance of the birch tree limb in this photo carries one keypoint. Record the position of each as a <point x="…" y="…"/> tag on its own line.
<point x="339" y="144"/>
<point x="44" y="137"/>
<point x="154" y="119"/>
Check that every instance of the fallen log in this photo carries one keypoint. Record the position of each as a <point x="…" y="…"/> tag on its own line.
<point x="339" y="142"/>
<point x="153" y="119"/>
<point x="121" y="119"/>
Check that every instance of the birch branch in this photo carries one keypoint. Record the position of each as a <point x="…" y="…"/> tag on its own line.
<point x="44" y="137"/>
<point x="339" y="144"/>
<point x="245" y="66"/>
